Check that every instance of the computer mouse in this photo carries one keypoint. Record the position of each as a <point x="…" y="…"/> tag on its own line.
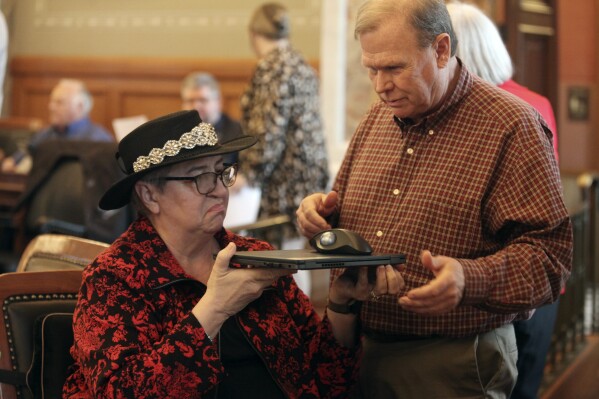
<point x="340" y="241"/>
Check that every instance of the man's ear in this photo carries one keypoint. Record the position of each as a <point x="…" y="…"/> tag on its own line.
<point x="147" y="195"/>
<point x="79" y="108"/>
<point x="442" y="48"/>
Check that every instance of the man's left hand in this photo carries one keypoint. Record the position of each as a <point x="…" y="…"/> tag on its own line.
<point x="440" y="295"/>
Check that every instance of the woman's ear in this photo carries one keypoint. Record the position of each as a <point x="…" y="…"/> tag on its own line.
<point x="147" y="196"/>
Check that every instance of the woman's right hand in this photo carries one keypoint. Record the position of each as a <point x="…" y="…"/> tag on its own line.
<point x="229" y="290"/>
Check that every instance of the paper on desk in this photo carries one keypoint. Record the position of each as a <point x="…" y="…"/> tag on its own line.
<point x="124" y="126"/>
<point x="243" y="207"/>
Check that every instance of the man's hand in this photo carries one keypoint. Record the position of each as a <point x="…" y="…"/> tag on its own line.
<point x="440" y="295"/>
<point x="312" y="212"/>
<point x="8" y="165"/>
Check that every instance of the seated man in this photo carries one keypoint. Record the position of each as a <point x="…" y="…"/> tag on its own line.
<point x="69" y="108"/>
<point x="200" y="91"/>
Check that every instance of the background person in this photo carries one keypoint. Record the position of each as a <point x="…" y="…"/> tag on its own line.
<point x="69" y="108"/>
<point x="201" y="91"/>
<point x="162" y="314"/>
<point x="472" y="197"/>
<point x="483" y="51"/>
<point x="281" y="107"/>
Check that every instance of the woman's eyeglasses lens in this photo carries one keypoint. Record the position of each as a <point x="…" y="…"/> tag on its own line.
<point x="206" y="182"/>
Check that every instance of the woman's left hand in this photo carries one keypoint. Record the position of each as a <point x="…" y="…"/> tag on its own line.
<point x="356" y="286"/>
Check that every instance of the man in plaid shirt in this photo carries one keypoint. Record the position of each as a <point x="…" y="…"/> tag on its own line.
<point x="460" y="176"/>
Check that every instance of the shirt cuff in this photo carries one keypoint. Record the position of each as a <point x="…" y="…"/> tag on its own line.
<point x="476" y="282"/>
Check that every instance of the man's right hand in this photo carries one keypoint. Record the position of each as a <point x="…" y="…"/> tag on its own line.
<point x="312" y="212"/>
<point x="8" y="165"/>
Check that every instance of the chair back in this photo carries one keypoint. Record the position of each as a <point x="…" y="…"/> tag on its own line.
<point x="66" y="182"/>
<point x="36" y="311"/>
<point x="59" y="201"/>
<point x="52" y="341"/>
<point x="59" y="252"/>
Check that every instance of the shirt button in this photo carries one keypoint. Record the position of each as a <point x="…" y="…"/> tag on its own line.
<point x="410" y="151"/>
<point x="396" y="192"/>
<point x="379" y="233"/>
<point x="431" y="132"/>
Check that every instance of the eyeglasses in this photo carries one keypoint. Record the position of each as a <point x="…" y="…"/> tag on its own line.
<point x="200" y="100"/>
<point x="206" y="182"/>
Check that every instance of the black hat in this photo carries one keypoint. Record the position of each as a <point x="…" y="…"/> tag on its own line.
<point x="167" y="140"/>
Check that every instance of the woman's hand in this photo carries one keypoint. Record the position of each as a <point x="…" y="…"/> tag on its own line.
<point x="356" y="286"/>
<point x="229" y="290"/>
<point x="352" y="286"/>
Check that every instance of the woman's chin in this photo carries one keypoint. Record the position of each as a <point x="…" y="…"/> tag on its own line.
<point x="217" y="221"/>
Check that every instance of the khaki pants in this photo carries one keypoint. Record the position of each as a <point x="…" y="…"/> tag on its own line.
<point x="482" y="366"/>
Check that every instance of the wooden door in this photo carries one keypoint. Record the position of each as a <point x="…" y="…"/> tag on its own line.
<point x="529" y="30"/>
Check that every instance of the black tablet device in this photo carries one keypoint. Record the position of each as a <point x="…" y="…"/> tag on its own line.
<point x="307" y="259"/>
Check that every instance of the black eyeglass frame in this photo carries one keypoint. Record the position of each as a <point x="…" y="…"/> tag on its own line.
<point x="216" y="175"/>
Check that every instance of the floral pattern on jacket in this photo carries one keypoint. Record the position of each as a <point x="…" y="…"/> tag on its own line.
<point x="281" y="107"/>
<point x="135" y="336"/>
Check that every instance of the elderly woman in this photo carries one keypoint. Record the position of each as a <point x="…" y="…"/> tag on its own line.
<point x="161" y="314"/>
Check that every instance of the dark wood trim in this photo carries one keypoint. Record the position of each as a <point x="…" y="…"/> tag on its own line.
<point x="579" y="379"/>
<point x="123" y="86"/>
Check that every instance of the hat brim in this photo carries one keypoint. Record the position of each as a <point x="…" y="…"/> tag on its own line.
<point x="119" y="194"/>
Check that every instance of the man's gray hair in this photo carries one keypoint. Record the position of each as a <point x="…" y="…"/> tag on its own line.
<point x="481" y="48"/>
<point x="84" y="95"/>
<point x="197" y="80"/>
<point x="429" y="17"/>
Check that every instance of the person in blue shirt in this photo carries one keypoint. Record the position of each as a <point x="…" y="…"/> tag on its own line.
<point x="69" y="108"/>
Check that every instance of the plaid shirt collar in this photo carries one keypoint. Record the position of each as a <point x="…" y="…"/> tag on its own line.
<point x="434" y="119"/>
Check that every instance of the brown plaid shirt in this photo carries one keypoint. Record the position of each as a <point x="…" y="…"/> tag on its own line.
<point x="475" y="180"/>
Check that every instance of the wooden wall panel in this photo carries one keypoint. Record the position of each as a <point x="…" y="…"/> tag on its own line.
<point x="122" y="86"/>
<point x="148" y="104"/>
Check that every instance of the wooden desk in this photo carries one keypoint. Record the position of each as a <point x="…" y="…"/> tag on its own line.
<point x="12" y="186"/>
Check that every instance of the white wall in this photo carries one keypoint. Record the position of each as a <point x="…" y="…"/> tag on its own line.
<point x="181" y="28"/>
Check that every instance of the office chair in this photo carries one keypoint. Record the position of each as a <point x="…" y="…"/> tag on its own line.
<point x="36" y="333"/>
<point x="59" y="252"/>
<point x="64" y="186"/>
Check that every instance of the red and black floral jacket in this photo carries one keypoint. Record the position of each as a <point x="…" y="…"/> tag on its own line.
<point x="135" y="336"/>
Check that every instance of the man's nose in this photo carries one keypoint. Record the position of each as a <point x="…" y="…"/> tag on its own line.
<point x="382" y="82"/>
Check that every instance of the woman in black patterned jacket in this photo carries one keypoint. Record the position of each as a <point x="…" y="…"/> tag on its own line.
<point x="281" y="107"/>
